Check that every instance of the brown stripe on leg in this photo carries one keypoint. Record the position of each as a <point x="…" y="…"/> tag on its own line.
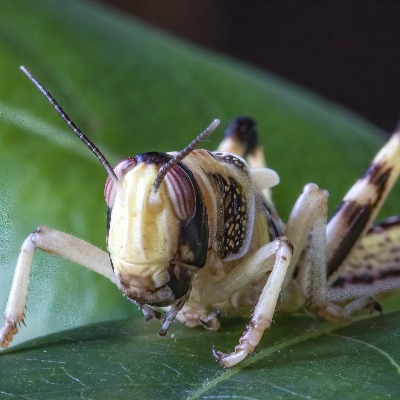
<point x="361" y="204"/>
<point x="354" y="218"/>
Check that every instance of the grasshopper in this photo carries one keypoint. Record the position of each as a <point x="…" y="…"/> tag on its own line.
<point x="193" y="234"/>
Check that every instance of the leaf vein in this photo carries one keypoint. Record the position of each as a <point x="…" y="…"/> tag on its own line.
<point x="291" y="392"/>
<point x="313" y="333"/>
<point x="379" y="350"/>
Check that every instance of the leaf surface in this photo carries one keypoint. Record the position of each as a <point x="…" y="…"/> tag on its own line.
<point x="299" y="358"/>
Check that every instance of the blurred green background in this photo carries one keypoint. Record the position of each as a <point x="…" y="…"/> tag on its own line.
<point x="341" y="50"/>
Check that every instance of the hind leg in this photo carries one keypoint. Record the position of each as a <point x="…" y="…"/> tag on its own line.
<point x="362" y="203"/>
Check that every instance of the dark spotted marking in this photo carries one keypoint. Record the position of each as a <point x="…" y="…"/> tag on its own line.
<point x="353" y="234"/>
<point x="233" y="202"/>
<point x="366" y="278"/>
<point x="244" y="130"/>
<point x="229" y="159"/>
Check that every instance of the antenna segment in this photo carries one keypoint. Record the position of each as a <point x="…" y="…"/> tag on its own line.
<point x="183" y="153"/>
<point x="75" y="129"/>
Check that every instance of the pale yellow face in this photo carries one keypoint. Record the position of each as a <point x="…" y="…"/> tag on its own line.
<point x="143" y="234"/>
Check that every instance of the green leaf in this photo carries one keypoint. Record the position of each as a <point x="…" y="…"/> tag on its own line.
<point x="299" y="358"/>
<point x="134" y="90"/>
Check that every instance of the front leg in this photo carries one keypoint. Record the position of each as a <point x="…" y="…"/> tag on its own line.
<point x="250" y="270"/>
<point x="57" y="243"/>
<point x="309" y="215"/>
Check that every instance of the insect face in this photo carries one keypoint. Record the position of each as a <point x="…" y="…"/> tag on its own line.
<point x="146" y="240"/>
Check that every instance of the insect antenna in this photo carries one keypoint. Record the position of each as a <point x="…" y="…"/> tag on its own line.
<point x="183" y="153"/>
<point x="75" y="129"/>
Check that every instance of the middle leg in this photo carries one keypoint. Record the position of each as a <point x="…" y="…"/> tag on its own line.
<point x="306" y="229"/>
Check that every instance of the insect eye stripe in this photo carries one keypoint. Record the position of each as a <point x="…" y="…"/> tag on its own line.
<point x="181" y="192"/>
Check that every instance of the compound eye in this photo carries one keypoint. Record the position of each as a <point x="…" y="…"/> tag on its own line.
<point x="121" y="169"/>
<point x="181" y="192"/>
